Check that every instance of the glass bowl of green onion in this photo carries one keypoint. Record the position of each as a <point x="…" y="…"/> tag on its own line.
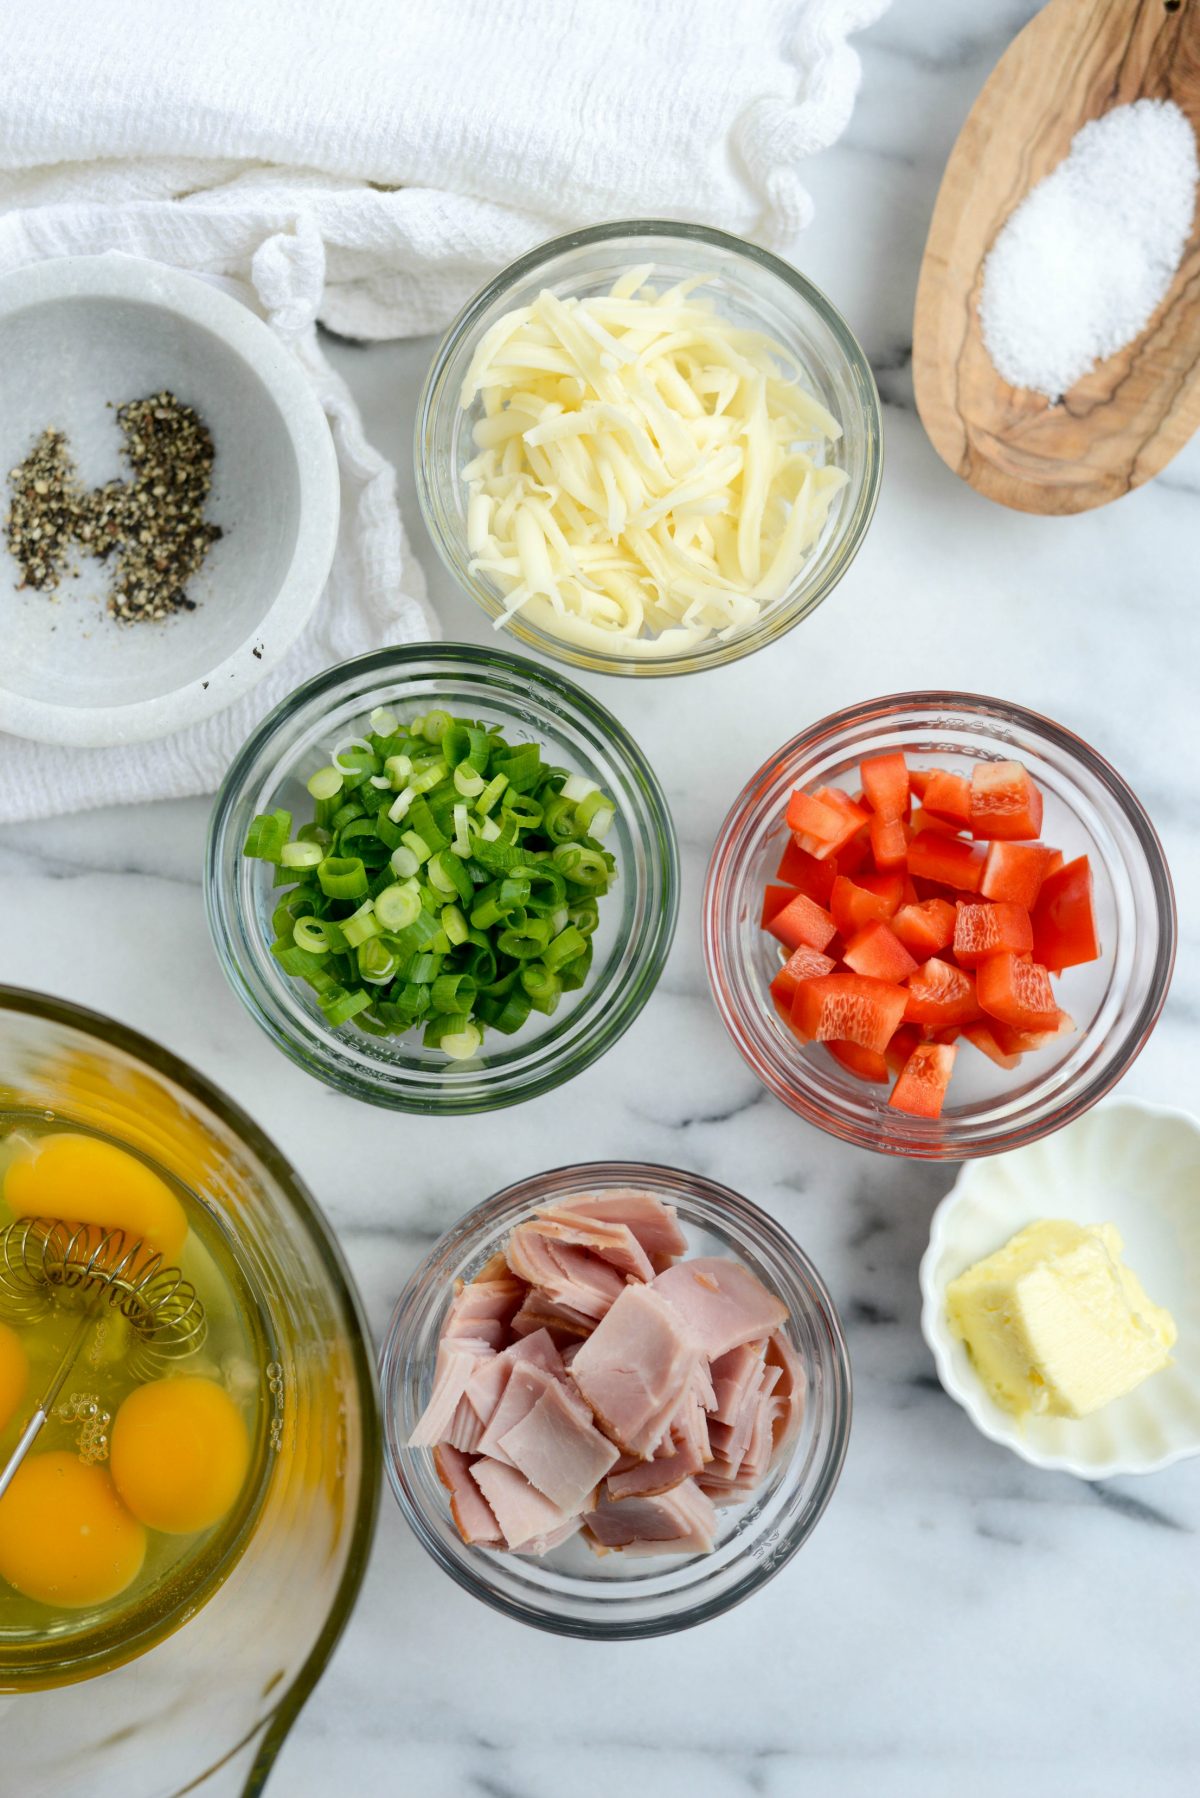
<point x="442" y="878"/>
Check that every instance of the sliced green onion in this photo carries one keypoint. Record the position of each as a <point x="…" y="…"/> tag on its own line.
<point x="340" y="1006"/>
<point x="342" y="877"/>
<point x="326" y="783"/>
<point x="455" y="925"/>
<point x="446" y="878"/>
<point x="566" y="946"/>
<point x="301" y="855"/>
<point x="467" y="782"/>
<point x="361" y="925"/>
<point x="267" y="836"/>
<point x="398" y="906"/>
<point x="310" y="935"/>
<point x="404" y="862"/>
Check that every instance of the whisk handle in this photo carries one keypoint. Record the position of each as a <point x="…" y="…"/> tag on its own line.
<point x="36" y="1423"/>
<point x="28" y="1437"/>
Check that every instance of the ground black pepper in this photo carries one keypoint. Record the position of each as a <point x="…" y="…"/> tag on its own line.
<point x="153" y="524"/>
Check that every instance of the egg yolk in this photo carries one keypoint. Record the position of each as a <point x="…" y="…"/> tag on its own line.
<point x="65" y="1537"/>
<point x="180" y="1452"/>
<point x="14" y="1374"/>
<point x="82" y="1180"/>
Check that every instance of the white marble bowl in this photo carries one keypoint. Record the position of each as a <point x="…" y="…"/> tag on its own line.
<point x="84" y="333"/>
<point x="1127" y="1163"/>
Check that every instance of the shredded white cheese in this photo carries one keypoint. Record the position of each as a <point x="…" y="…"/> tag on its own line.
<point x="649" y="475"/>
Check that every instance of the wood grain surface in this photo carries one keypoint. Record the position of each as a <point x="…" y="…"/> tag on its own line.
<point x="1124" y="420"/>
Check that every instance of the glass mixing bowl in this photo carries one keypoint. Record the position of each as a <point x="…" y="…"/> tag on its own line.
<point x="1114" y="1001"/>
<point x="210" y="1699"/>
<point x="616" y="1597"/>
<point x="531" y="704"/>
<point x="747" y="285"/>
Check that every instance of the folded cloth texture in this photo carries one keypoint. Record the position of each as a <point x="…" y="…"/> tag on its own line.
<point x="365" y="165"/>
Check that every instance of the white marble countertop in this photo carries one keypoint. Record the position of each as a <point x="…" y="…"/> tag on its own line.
<point x="959" y="1622"/>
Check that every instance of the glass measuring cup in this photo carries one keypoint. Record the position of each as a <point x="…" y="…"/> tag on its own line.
<point x="207" y="1704"/>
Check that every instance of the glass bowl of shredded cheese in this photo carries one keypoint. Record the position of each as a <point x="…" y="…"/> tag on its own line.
<point x="648" y="448"/>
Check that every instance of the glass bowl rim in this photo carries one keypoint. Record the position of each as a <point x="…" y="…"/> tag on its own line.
<point x="883" y="711"/>
<point x="780" y="618"/>
<point x="222" y="902"/>
<point x="486" y="1221"/>
<point x="279" y="1721"/>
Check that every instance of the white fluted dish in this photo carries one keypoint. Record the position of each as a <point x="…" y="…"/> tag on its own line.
<point x="1127" y="1163"/>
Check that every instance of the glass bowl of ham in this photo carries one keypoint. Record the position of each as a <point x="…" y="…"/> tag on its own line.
<point x="648" y="448"/>
<point x="1020" y="942"/>
<point x="634" y="1377"/>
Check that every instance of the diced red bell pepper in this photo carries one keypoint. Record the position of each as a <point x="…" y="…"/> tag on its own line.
<point x="948" y="796"/>
<point x="922" y="820"/>
<point x="921" y="1088"/>
<point x="806" y="815"/>
<point x="901" y="1046"/>
<point x="925" y="927"/>
<point x="848" y="1008"/>
<point x="885" y="783"/>
<point x="878" y="951"/>
<point x="1004" y="802"/>
<point x="983" y="1036"/>
<point x="802" y="964"/>
<point x="946" y="860"/>
<point x="889" y="844"/>
<point x="1064" y="918"/>
<point x="855" y="854"/>
<point x="802" y="920"/>
<point x="797" y="868"/>
<point x="1015" y="872"/>
<point x="868" y="1064"/>
<point x="1018" y="992"/>
<point x="950" y="1034"/>
<point x="1057" y="860"/>
<point x="1021" y="1042"/>
<point x="888" y="887"/>
<point x="825" y="820"/>
<point x="854" y="905"/>
<point x="941" y="995"/>
<point x="774" y="900"/>
<point x="983" y="930"/>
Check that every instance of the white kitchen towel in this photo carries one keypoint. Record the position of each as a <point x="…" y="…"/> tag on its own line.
<point x="366" y="164"/>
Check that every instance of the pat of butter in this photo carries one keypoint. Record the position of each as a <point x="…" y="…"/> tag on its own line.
<point x="1055" y="1324"/>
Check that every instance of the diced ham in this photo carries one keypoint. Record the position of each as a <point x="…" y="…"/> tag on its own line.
<point x="680" y="1521"/>
<point x="559" y="1449"/>
<point x="470" y="1510"/>
<point x="486" y="1385"/>
<point x="456" y="1362"/>
<point x="525" y="1387"/>
<point x="654" y="1223"/>
<point x="634" y="1369"/>
<point x="791" y="1389"/>
<point x="466" y="1428"/>
<point x="723" y="1303"/>
<point x="586" y="1378"/>
<point x="524" y="1514"/>
<point x="540" y="1313"/>
<point x="483" y="1309"/>
<point x="681" y="1456"/>
<point x="542" y="1545"/>
<point x="564" y="1273"/>
<point x="733" y="1375"/>
<point x="731" y="1441"/>
<point x="614" y="1243"/>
